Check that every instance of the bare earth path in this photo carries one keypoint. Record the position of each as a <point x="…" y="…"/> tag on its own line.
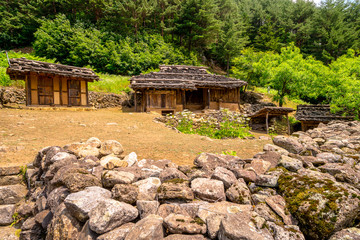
<point x="25" y="131"/>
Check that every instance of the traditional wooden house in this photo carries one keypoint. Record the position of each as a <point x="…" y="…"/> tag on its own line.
<point x="260" y="119"/>
<point x="52" y="84"/>
<point x="311" y="115"/>
<point x="178" y="87"/>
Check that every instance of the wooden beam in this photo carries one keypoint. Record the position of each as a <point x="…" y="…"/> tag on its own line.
<point x="208" y="98"/>
<point x="288" y="123"/>
<point x="135" y="101"/>
<point x="267" y="123"/>
<point x="183" y="99"/>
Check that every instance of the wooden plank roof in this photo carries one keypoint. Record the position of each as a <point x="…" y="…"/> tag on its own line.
<point x="318" y="113"/>
<point x="19" y="67"/>
<point x="183" y="77"/>
<point x="272" y="111"/>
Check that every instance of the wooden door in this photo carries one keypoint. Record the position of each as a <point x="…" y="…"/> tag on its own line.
<point x="74" y="93"/>
<point x="45" y="90"/>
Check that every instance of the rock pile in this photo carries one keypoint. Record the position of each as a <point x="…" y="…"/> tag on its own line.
<point x="12" y="95"/>
<point x="303" y="186"/>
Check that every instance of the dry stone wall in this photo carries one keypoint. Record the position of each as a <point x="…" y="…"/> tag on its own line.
<point x="305" y="186"/>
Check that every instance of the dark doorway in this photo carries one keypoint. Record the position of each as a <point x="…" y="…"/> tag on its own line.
<point x="194" y="97"/>
<point x="45" y="90"/>
<point x="74" y="93"/>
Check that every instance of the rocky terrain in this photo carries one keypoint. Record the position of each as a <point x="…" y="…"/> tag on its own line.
<point x="301" y="187"/>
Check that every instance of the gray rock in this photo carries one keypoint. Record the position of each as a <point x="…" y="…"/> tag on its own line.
<point x="110" y="214"/>
<point x="110" y="178"/>
<point x="56" y="197"/>
<point x="6" y="213"/>
<point x="63" y="226"/>
<point x="243" y="225"/>
<point x="60" y="156"/>
<point x="267" y="180"/>
<point x="286" y="232"/>
<point x="213" y="224"/>
<point x="185" y="237"/>
<point x="86" y="233"/>
<point x="208" y="189"/>
<point x="291" y="164"/>
<point x="330" y="157"/>
<point x="209" y="161"/>
<point x="291" y="144"/>
<point x="30" y="230"/>
<point x="111" y="146"/>
<point x="147" y="208"/>
<point x="81" y="203"/>
<point x="148" y="188"/>
<point x="259" y="166"/>
<point x="224" y="175"/>
<point x="148" y="228"/>
<point x="322" y="194"/>
<point x="239" y="192"/>
<point x="94" y="142"/>
<point x="118" y="233"/>
<point x="277" y="204"/>
<point x="347" y="234"/>
<point x="44" y="218"/>
<point x="12" y="194"/>
<point x="111" y="162"/>
<point x="165" y="210"/>
<point x="276" y="149"/>
<point x="248" y="175"/>
<point x="175" y="190"/>
<point x="125" y="193"/>
<point x="176" y="223"/>
<point x="224" y="208"/>
<point x="171" y="173"/>
<point x="131" y="159"/>
<point x="10" y="180"/>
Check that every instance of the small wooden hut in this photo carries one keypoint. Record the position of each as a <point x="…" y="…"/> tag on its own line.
<point x="179" y="87"/>
<point x="52" y="84"/>
<point x="264" y="115"/>
<point x="311" y="115"/>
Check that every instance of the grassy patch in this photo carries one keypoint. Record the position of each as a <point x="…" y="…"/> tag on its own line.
<point x="110" y="84"/>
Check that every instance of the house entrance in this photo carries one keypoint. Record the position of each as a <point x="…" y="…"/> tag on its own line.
<point x="74" y="93"/>
<point x="45" y="90"/>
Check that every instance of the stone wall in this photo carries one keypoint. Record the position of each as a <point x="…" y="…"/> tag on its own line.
<point x="96" y="99"/>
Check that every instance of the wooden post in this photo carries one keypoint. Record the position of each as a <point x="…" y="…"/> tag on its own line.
<point x="183" y="99"/>
<point x="288" y="123"/>
<point x="208" y="98"/>
<point x="135" y="101"/>
<point x="267" y="122"/>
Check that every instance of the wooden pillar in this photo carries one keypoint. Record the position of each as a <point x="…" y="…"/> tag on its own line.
<point x="267" y="122"/>
<point x="288" y="123"/>
<point x="135" y="101"/>
<point x="28" y="90"/>
<point x="208" y="98"/>
<point x="183" y="99"/>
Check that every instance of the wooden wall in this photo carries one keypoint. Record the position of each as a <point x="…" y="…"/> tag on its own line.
<point x="60" y="90"/>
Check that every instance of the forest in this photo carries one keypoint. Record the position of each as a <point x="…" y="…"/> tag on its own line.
<point x="300" y="48"/>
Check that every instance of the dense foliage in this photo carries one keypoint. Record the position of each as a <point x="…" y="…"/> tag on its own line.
<point x="293" y="75"/>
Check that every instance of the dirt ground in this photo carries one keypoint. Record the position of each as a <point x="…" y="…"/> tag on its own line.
<point x="24" y="131"/>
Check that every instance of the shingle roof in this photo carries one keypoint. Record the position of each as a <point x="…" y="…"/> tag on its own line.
<point x="272" y="111"/>
<point x="19" y="67"/>
<point x="183" y="77"/>
<point x="319" y="113"/>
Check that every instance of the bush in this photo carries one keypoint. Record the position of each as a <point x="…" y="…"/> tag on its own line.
<point x="226" y="124"/>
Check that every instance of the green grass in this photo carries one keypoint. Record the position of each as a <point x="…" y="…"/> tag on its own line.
<point x="110" y="84"/>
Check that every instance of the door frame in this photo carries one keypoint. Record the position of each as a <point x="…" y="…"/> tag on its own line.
<point x="52" y="89"/>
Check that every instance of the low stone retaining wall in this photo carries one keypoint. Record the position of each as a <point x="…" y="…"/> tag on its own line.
<point x="306" y="185"/>
<point x="96" y="99"/>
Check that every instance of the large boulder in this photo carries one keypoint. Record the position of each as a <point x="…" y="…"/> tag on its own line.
<point x="6" y="214"/>
<point x="11" y="194"/>
<point x="111" y="147"/>
<point x="148" y="228"/>
<point x="118" y="233"/>
<point x="30" y="229"/>
<point x="110" y="214"/>
<point x="56" y="197"/>
<point x="347" y="234"/>
<point x="63" y="226"/>
<point x="171" y="173"/>
<point x="148" y="188"/>
<point x="178" y="190"/>
<point x="165" y="210"/>
<point x="125" y="193"/>
<point x="244" y="225"/>
<point x="291" y="144"/>
<point x="259" y="166"/>
<point x="239" y="192"/>
<point x="291" y="164"/>
<point x="177" y="223"/>
<point x="81" y="203"/>
<point x="147" y="208"/>
<point x="208" y="189"/>
<point x="111" y="161"/>
<point x="224" y="175"/>
<point x="110" y="178"/>
<point x="209" y="161"/>
<point x="320" y="204"/>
